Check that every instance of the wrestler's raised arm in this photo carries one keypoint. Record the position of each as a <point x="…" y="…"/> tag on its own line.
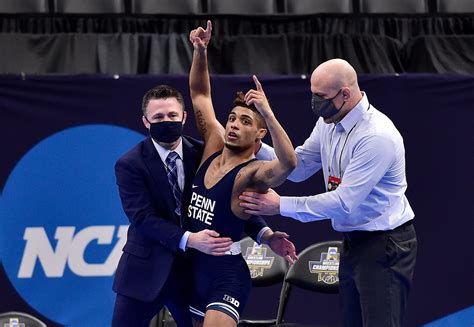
<point x="199" y="83"/>
<point x="271" y="173"/>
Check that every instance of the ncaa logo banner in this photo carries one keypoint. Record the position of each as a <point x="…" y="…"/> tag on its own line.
<point x="63" y="227"/>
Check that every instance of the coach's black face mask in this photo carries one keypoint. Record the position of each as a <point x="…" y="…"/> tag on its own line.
<point x="166" y="131"/>
<point x="324" y="107"/>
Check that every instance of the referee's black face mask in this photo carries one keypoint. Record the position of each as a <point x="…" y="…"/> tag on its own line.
<point x="324" y="107"/>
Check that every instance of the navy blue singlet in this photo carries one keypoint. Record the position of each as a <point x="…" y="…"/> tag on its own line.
<point x="211" y="208"/>
<point x="221" y="283"/>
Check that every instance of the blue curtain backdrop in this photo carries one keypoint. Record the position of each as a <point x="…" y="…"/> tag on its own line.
<point x="83" y="115"/>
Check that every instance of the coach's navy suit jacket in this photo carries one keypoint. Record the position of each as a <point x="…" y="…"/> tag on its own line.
<point x="154" y="233"/>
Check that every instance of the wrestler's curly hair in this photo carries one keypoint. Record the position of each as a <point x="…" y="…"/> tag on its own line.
<point x="239" y="101"/>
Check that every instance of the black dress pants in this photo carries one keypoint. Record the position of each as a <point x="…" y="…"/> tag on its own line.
<point x="375" y="275"/>
<point x="129" y="312"/>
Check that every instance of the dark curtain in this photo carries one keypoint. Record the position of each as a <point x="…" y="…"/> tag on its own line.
<point x="120" y="44"/>
<point x="301" y="53"/>
<point x="172" y="54"/>
<point x="446" y="54"/>
<point x="400" y="27"/>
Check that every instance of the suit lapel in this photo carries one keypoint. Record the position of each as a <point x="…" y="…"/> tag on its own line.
<point x="158" y="172"/>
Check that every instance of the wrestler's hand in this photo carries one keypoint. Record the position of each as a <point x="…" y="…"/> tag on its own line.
<point x="259" y="99"/>
<point x="209" y="242"/>
<point x="281" y="245"/>
<point x="263" y="204"/>
<point x="200" y="37"/>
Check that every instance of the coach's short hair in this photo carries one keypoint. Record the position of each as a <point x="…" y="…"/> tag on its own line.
<point x="162" y="92"/>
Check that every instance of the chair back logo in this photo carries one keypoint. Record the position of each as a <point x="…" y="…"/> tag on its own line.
<point x="257" y="260"/>
<point x="327" y="267"/>
<point x="19" y="319"/>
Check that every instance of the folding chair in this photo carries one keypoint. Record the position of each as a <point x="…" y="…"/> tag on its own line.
<point x="266" y="269"/>
<point x="163" y="319"/>
<point x="317" y="270"/>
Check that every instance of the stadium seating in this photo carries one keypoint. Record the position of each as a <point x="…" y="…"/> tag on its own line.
<point x="305" y="7"/>
<point x="395" y="7"/>
<point x="89" y="6"/>
<point x="242" y="7"/>
<point x="166" y="7"/>
<point x="23" y="6"/>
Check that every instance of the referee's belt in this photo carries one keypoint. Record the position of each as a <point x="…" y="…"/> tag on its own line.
<point x="234" y="249"/>
<point x="359" y="236"/>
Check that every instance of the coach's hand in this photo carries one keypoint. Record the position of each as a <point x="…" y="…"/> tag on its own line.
<point x="209" y="242"/>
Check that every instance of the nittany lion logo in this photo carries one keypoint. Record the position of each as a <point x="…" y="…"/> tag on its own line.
<point x="328" y="266"/>
<point x="257" y="260"/>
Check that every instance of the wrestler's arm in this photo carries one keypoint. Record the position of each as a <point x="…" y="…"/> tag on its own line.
<point x="199" y="83"/>
<point x="271" y="173"/>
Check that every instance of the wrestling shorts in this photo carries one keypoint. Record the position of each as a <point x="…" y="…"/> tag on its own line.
<point x="220" y="283"/>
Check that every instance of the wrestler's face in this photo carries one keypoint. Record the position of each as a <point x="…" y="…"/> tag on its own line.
<point x="241" y="130"/>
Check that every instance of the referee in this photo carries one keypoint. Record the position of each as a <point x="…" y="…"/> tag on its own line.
<point x="362" y="157"/>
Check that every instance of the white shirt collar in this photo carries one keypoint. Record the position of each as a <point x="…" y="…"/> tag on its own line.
<point x="164" y="152"/>
<point x="355" y="114"/>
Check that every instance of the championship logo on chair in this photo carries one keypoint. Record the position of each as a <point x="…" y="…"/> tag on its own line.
<point x="265" y="266"/>
<point x="327" y="267"/>
<point x="257" y="260"/>
<point x="316" y="270"/>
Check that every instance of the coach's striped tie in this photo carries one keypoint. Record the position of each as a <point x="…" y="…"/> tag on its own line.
<point x="173" y="180"/>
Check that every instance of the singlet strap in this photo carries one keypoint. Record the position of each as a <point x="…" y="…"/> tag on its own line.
<point x="207" y="163"/>
<point x="243" y="164"/>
